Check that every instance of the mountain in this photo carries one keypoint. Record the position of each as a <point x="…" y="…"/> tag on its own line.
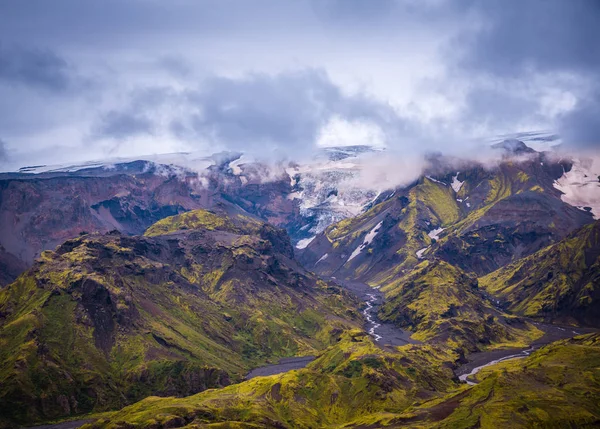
<point x="441" y="304"/>
<point x="39" y="212"/>
<point x="173" y="281"/>
<point x="105" y="320"/>
<point x="560" y="283"/>
<point x="40" y="207"/>
<point x="478" y="219"/>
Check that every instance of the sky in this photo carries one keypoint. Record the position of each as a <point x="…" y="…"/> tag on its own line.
<point x="85" y="80"/>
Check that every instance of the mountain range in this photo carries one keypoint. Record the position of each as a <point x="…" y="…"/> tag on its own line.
<point x="166" y="283"/>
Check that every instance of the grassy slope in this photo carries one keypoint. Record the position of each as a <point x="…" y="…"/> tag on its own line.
<point x="556" y="387"/>
<point x="441" y="303"/>
<point x="106" y="320"/>
<point x="354" y="384"/>
<point x="352" y="380"/>
<point x="560" y="282"/>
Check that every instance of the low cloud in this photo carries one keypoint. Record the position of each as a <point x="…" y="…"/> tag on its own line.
<point x="122" y="125"/>
<point x="581" y="126"/>
<point x="35" y="68"/>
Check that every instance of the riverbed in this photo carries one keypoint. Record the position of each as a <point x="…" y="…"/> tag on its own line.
<point x="480" y="360"/>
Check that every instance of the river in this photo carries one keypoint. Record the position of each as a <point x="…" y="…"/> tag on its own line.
<point x="480" y="360"/>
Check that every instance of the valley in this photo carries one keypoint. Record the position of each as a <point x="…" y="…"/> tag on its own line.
<point x="266" y="303"/>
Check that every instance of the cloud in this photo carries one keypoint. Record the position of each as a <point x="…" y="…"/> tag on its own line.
<point x="3" y="152"/>
<point x="274" y="77"/>
<point x="282" y="115"/>
<point x="548" y="43"/>
<point x="121" y="125"/>
<point x="581" y="126"/>
<point x="517" y="36"/>
<point x="34" y="67"/>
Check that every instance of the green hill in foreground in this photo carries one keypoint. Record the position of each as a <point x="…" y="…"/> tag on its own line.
<point x="106" y="320"/>
<point x="356" y="385"/>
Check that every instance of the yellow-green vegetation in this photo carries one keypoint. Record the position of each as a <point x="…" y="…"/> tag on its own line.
<point x="560" y="282"/>
<point x="107" y="320"/>
<point x="354" y="384"/>
<point x="556" y="387"/>
<point x="196" y="219"/>
<point x="440" y="303"/>
<point x="438" y="200"/>
<point x="353" y="380"/>
<point x="204" y="220"/>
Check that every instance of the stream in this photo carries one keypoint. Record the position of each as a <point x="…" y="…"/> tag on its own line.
<point x="520" y="355"/>
<point x="480" y="360"/>
<point x="384" y="333"/>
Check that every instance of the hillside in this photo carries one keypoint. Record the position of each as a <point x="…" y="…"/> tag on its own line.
<point x="559" y="283"/>
<point x="351" y="380"/>
<point x="105" y="320"/>
<point x="478" y="218"/>
<point x="441" y="304"/>
<point x="355" y="385"/>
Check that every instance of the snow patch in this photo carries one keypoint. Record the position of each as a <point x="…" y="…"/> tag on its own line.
<point x="322" y="258"/>
<point x="304" y="242"/>
<point x="456" y="184"/>
<point x="435" y="180"/>
<point x="435" y="234"/>
<point x="368" y="239"/>
<point x="235" y="166"/>
<point x="581" y="185"/>
<point x="420" y="252"/>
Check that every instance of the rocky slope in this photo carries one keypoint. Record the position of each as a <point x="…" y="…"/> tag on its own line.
<point x="559" y="283"/>
<point x="441" y="304"/>
<point x="474" y="217"/>
<point x="39" y="211"/>
<point x="105" y="320"/>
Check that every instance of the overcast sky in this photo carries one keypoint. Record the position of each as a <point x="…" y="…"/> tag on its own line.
<point x="84" y="80"/>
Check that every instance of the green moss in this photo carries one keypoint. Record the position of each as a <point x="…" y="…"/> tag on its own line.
<point x="196" y="219"/>
<point x="552" y="283"/>
<point x="441" y="303"/>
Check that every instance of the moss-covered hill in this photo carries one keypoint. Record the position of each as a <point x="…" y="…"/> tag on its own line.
<point x="478" y="219"/>
<point x="105" y="320"/>
<point x="356" y="385"/>
<point x="352" y="380"/>
<point x="558" y="386"/>
<point x="441" y="304"/>
<point x="558" y="283"/>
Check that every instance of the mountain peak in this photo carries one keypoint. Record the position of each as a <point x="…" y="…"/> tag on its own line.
<point x="513" y="146"/>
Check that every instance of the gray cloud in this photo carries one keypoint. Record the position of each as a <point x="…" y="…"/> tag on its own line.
<point x="541" y="34"/>
<point x="3" y="152"/>
<point x="520" y="41"/>
<point x="271" y="75"/>
<point x="33" y="67"/>
<point x="581" y="125"/>
<point x="286" y="109"/>
<point x="257" y="113"/>
<point x="121" y="125"/>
